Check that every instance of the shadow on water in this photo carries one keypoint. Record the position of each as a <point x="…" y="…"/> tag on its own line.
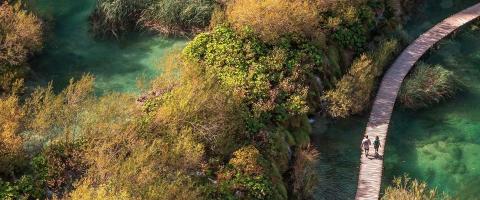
<point x="71" y="50"/>
<point x="439" y="145"/>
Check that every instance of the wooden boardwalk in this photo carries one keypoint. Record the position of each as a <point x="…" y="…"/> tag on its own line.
<point x="370" y="176"/>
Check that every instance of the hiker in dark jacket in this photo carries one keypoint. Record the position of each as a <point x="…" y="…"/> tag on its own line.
<point x="376" y="144"/>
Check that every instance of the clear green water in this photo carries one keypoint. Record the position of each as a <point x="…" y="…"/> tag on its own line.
<point x="71" y="50"/>
<point x="439" y="145"/>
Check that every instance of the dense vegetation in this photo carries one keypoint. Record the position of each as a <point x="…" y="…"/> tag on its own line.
<point x="354" y="91"/>
<point x="20" y="37"/>
<point x="428" y="85"/>
<point x="227" y="119"/>
<point x="112" y="17"/>
<point x="405" y="188"/>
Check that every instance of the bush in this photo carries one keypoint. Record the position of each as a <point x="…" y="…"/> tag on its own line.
<point x="246" y="177"/>
<point x="178" y="17"/>
<point x="271" y="82"/>
<point x="351" y="23"/>
<point x="20" y="37"/>
<point x="274" y="19"/>
<point x="248" y="160"/>
<point x="353" y="92"/>
<point x="404" y="188"/>
<point x="112" y="17"/>
<point x="428" y="85"/>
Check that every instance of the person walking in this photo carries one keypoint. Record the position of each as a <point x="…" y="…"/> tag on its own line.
<point x="376" y="144"/>
<point x="366" y="145"/>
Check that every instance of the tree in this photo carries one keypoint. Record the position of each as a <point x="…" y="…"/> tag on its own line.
<point x="178" y="17"/>
<point x="113" y="17"/>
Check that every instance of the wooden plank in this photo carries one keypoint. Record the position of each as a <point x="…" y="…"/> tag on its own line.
<point x="371" y="167"/>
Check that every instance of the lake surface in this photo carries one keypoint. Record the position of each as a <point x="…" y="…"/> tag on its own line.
<point x="71" y="50"/>
<point x="439" y="145"/>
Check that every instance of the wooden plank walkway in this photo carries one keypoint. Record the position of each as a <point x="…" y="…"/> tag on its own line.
<point x="370" y="176"/>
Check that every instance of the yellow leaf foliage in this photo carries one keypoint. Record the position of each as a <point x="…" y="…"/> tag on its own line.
<point x="247" y="160"/>
<point x="20" y="34"/>
<point x="11" y="144"/>
<point x="273" y="19"/>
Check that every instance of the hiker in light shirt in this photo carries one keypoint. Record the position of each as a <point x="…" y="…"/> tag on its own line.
<point x="366" y="145"/>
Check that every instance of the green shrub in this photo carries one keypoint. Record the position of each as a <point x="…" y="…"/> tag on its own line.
<point x="428" y="85"/>
<point x="271" y="81"/>
<point x="27" y="186"/>
<point x="247" y="176"/>
<point x="351" y="23"/>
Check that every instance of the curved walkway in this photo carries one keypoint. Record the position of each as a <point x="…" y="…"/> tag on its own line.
<point x="370" y="176"/>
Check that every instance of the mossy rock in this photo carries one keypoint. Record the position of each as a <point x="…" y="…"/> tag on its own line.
<point x="302" y="138"/>
<point x="301" y="130"/>
<point x="280" y="190"/>
<point x="279" y="150"/>
<point x="289" y="138"/>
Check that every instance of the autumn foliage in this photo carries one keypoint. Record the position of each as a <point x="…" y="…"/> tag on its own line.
<point x="274" y="19"/>
<point x="20" y="36"/>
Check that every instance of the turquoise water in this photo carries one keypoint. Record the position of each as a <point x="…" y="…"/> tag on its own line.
<point x="439" y="145"/>
<point x="71" y="50"/>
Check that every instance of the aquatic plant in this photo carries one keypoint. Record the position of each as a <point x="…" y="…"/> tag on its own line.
<point x="113" y="17"/>
<point x="304" y="177"/>
<point x="177" y="17"/>
<point x="428" y="85"/>
<point x="405" y="188"/>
